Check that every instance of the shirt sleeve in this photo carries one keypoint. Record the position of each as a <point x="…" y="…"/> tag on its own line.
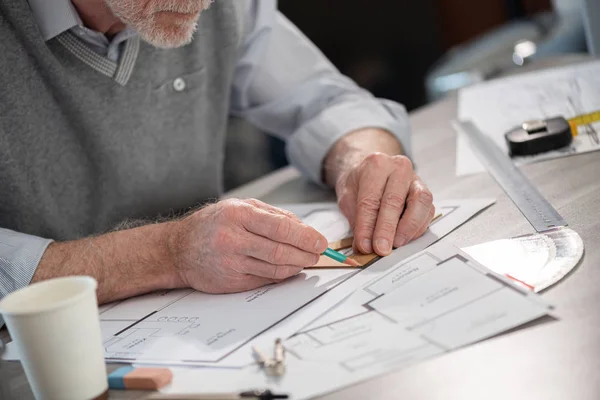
<point x="285" y="86"/>
<point x="20" y="255"/>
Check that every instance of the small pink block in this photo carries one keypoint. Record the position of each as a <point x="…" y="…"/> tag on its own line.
<point x="148" y="378"/>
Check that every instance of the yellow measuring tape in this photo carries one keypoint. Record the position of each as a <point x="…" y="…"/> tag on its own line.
<point x="583" y="119"/>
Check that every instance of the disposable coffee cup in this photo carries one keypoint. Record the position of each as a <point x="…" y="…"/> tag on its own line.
<point x="56" y="328"/>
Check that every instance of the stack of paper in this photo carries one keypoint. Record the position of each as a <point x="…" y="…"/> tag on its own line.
<point x="430" y="304"/>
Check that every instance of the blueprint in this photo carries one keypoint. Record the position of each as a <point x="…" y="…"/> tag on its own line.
<point x="497" y="106"/>
<point x="432" y="303"/>
<point x="185" y="327"/>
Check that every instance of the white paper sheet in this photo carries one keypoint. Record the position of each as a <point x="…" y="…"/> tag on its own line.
<point x="417" y="310"/>
<point x="497" y="106"/>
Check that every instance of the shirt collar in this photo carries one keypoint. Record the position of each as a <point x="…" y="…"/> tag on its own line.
<point x="54" y="16"/>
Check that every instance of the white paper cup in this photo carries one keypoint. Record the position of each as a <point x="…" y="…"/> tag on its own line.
<point x="56" y="328"/>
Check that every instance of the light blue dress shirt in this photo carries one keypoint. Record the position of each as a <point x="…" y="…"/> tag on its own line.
<point x="283" y="85"/>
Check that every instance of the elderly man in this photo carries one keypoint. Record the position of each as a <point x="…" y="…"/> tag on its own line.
<point x="114" y="110"/>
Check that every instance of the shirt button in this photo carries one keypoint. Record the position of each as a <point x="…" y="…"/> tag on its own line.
<point x="179" y="85"/>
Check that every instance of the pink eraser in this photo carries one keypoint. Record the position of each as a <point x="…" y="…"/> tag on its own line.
<point x="139" y="378"/>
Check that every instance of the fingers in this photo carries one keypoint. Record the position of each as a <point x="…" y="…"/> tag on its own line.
<point x="418" y="209"/>
<point x="347" y="198"/>
<point x="425" y="226"/>
<point x="371" y="187"/>
<point x="347" y="205"/>
<point x="276" y="253"/>
<point x="281" y="229"/>
<point x="264" y="269"/>
<point x="392" y="206"/>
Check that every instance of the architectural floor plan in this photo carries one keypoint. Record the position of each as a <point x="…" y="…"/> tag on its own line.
<point x="185" y="327"/>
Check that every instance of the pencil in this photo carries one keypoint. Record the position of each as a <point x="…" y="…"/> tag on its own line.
<point x="337" y="256"/>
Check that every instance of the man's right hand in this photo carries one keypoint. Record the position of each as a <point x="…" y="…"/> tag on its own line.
<point x="230" y="246"/>
<point x="237" y="245"/>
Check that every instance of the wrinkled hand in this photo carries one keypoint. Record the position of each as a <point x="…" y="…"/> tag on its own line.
<point x="385" y="203"/>
<point x="238" y="245"/>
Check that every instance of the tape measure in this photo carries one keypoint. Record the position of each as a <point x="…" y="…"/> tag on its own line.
<point x="580" y="120"/>
<point x="538" y="211"/>
<point x="539" y="136"/>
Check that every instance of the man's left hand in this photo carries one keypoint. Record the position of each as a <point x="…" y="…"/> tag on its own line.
<point x="385" y="202"/>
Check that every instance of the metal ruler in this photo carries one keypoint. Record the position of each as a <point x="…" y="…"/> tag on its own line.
<point x="540" y="214"/>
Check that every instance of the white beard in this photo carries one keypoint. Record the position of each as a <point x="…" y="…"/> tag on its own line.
<point x="130" y="13"/>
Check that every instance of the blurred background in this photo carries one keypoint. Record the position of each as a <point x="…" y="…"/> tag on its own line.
<point x="416" y="52"/>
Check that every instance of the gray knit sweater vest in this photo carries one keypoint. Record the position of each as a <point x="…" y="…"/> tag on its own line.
<point x="79" y="152"/>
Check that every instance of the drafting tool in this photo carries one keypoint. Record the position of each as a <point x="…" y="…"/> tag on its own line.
<point x="538" y="211"/>
<point x="580" y="120"/>
<point x="273" y="366"/>
<point x="361" y="261"/>
<point x="251" y="394"/>
<point x="435" y="218"/>
<point x="539" y="136"/>
<point x="342" y="244"/>
<point x="536" y="261"/>
<point x="279" y="352"/>
<point x="262" y="359"/>
<point x="279" y="358"/>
